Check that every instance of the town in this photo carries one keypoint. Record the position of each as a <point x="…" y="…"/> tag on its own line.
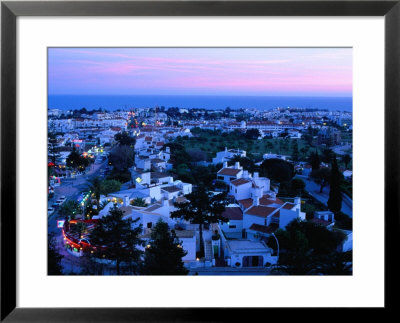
<point x="181" y="191"/>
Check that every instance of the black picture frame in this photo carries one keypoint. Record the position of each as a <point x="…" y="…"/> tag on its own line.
<point x="10" y="10"/>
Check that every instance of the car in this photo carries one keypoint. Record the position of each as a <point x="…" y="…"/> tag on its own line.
<point x="50" y="210"/>
<point x="62" y="198"/>
<point x="55" y="205"/>
<point x="59" y="201"/>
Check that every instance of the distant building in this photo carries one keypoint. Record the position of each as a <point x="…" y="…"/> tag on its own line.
<point x="227" y="154"/>
<point x="329" y="136"/>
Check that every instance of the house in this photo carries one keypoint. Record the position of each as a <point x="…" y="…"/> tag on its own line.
<point x="226" y="155"/>
<point x="227" y="174"/>
<point x="324" y="218"/>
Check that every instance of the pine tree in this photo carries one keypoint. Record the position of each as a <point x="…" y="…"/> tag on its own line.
<point x="201" y="208"/>
<point x="118" y="239"/>
<point x="163" y="254"/>
<point x="335" y="194"/>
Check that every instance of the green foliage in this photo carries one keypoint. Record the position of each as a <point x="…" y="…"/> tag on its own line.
<point x="201" y="208"/>
<point x="70" y="208"/>
<point x="252" y="134"/>
<point x="314" y="160"/>
<point x="346" y="159"/>
<point x="307" y="248"/>
<point x="110" y="185"/>
<point x="122" y="176"/>
<point x="138" y="202"/>
<point x="163" y="254"/>
<point x="118" y="237"/>
<point x="122" y="157"/>
<point x="124" y="139"/>
<point x="277" y="169"/>
<point x="321" y="176"/>
<point x="75" y="160"/>
<point x="54" y="266"/>
<point x="335" y="194"/>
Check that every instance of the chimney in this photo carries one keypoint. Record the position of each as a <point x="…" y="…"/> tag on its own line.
<point x="273" y="196"/>
<point x="297" y="201"/>
<point x="126" y="200"/>
<point x="165" y="202"/>
<point x="225" y="165"/>
<point x="237" y="165"/>
<point x="255" y="175"/>
<point x="256" y="201"/>
<point x="226" y="148"/>
<point x="245" y="174"/>
<point x="167" y="150"/>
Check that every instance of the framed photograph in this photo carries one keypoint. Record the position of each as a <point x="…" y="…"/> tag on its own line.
<point x="197" y="158"/>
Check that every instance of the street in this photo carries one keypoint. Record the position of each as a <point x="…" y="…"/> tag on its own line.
<point x="314" y="190"/>
<point x="70" y="188"/>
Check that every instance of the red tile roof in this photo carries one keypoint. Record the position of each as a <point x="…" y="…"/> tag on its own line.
<point x="262" y="211"/>
<point x="240" y="181"/>
<point x="246" y="203"/>
<point x="264" y="229"/>
<point x="289" y="206"/>
<point x="233" y="213"/>
<point x="266" y="200"/>
<point x="229" y="171"/>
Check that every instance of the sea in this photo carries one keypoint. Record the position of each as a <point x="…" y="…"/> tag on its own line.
<point x="127" y="102"/>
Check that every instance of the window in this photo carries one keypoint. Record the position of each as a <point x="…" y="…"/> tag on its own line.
<point x="232" y="226"/>
<point x="149" y="225"/>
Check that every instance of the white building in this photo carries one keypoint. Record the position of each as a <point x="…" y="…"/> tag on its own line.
<point x="227" y="154"/>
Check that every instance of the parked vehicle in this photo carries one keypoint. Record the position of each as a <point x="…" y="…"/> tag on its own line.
<point x="50" y="210"/>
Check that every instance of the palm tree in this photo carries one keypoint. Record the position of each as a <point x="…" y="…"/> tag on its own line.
<point x="96" y="188"/>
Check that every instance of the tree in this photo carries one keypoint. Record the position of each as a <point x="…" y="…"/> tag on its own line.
<point x="295" y="151"/>
<point x="297" y="185"/>
<point x="335" y="194"/>
<point x="54" y="266"/>
<point x="252" y="134"/>
<point x="201" y="207"/>
<point x="138" y="202"/>
<point x="109" y="186"/>
<point x="327" y="155"/>
<point x="305" y="247"/>
<point x="70" y="208"/>
<point x="124" y="139"/>
<point x="163" y="254"/>
<point x="95" y="186"/>
<point x="346" y="159"/>
<point x="277" y="169"/>
<point x="314" y="160"/>
<point x="122" y="157"/>
<point x="321" y="176"/>
<point x="74" y="160"/>
<point x="119" y="239"/>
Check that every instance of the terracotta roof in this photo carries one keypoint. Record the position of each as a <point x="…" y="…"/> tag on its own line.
<point x="289" y="206"/>
<point x="264" y="229"/>
<point x="180" y="199"/>
<point x="158" y="175"/>
<point x="148" y="138"/>
<point x="160" y="143"/>
<point x="240" y="181"/>
<point x="153" y="207"/>
<point x="233" y="213"/>
<point x="246" y="203"/>
<point x="262" y="211"/>
<point x="266" y="200"/>
<point x="228" y="171"/>
<point x="171" y="189"/>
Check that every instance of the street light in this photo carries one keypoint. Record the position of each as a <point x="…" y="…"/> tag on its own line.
<point x="277" y="245"/>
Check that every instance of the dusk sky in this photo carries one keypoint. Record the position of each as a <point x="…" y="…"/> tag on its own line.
<point x="201" y="71"/>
